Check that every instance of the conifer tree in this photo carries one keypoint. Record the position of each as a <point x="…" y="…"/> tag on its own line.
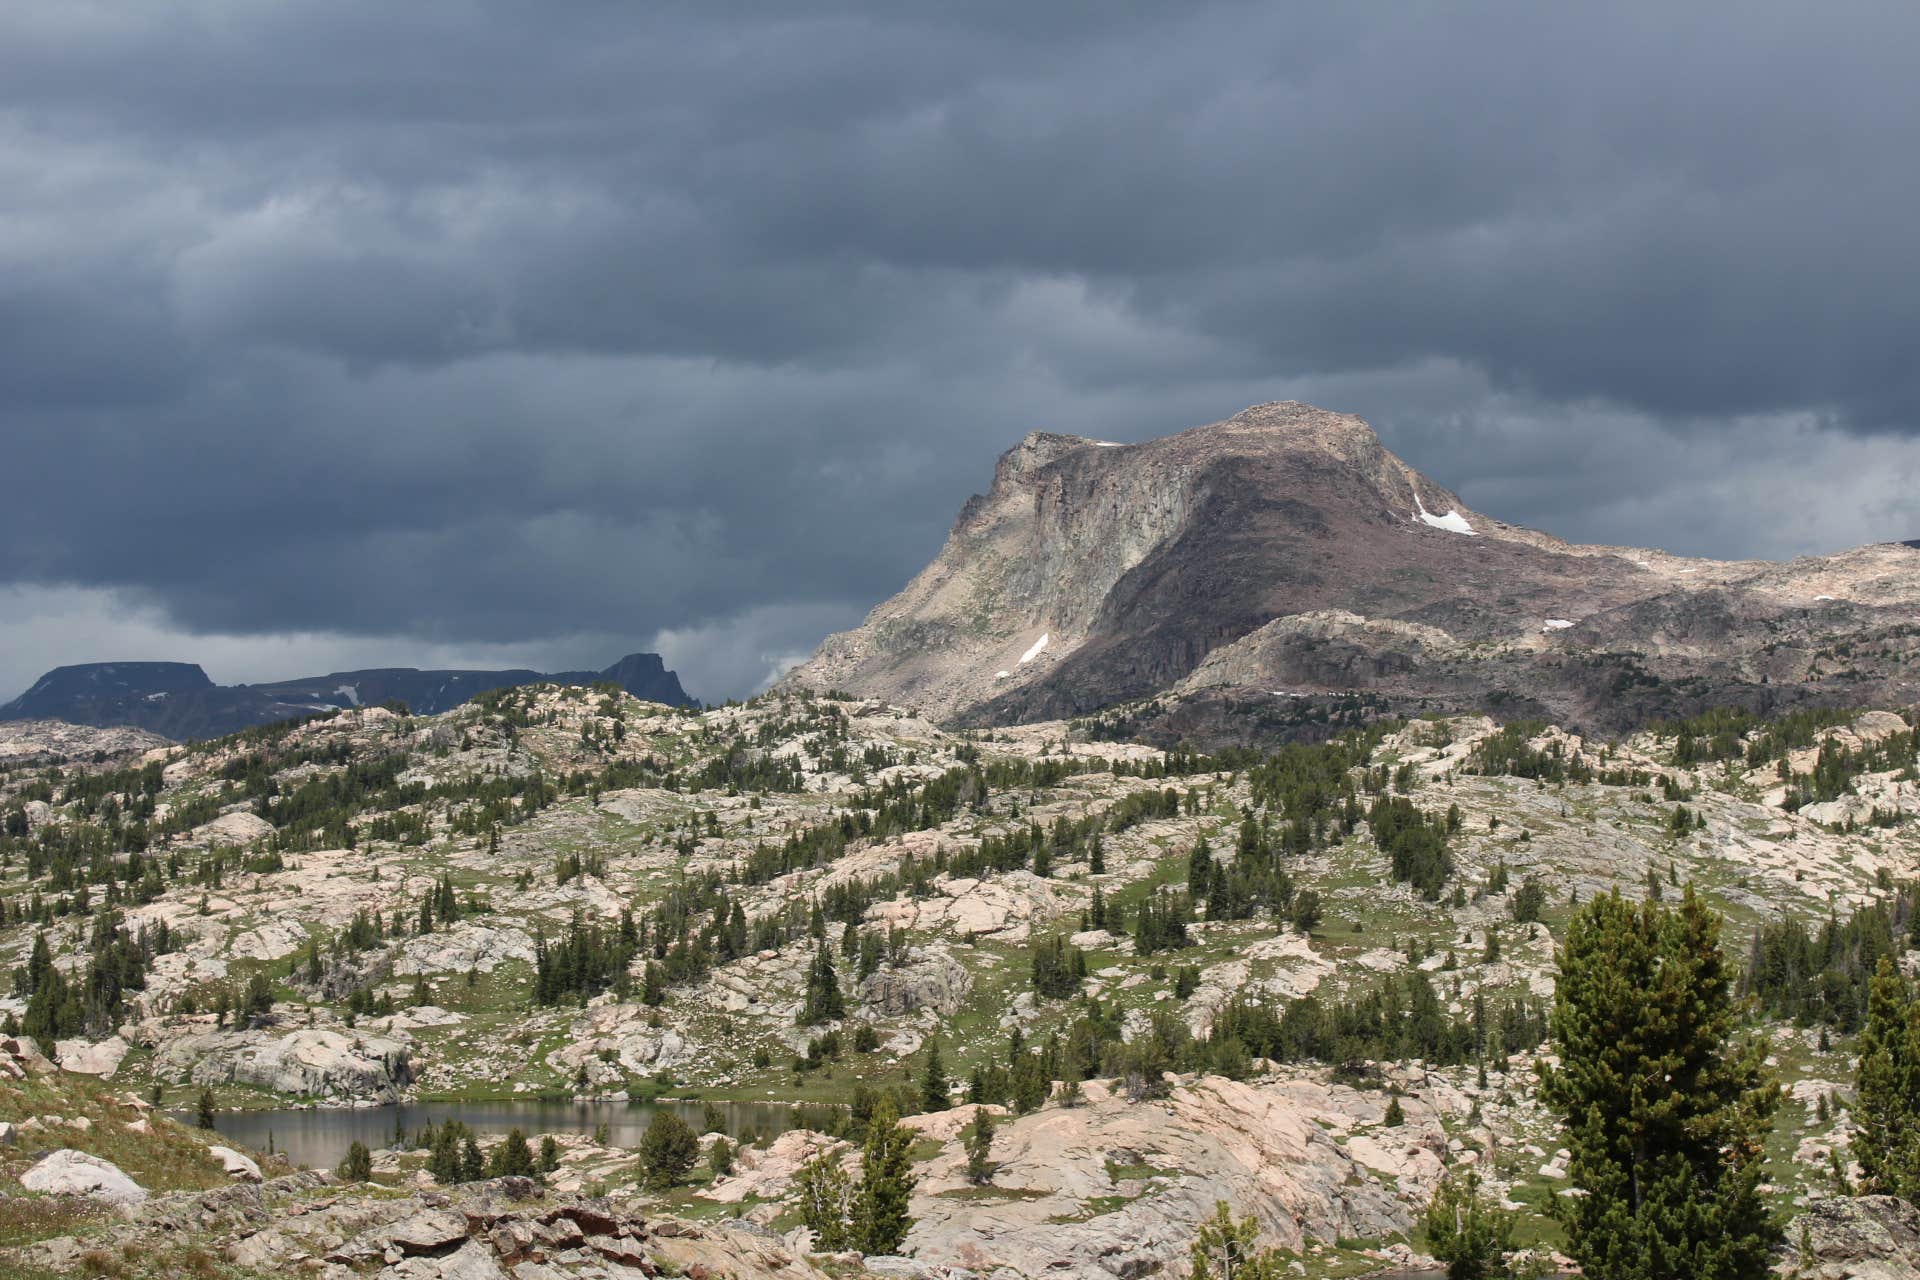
<point x="824" y="1002"/>
<point x="668" y="1150"/>
<point x="358" y="1164"/>
<point x="935" y="1088"/>
<point x="1199" y="870"/>
<point x="1227" y="1250"/>
<point x="826" y="1201"/>
<point x="1465" y="1230"/>
<point x="979" y="1143"/>
<point x="473" y="1165"/>
<point x="880" y="1217"/>
<point x="443" y="1145"/>
<point x="1886" y="1112"/>
<point x="1664" y="1113"/>
<point x="513" y="1158"/>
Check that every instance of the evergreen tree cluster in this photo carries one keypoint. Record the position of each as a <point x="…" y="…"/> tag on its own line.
<point x="1058" y="968"/>
<point x="1824" y="976"/>
<point x="1415" y="843"/>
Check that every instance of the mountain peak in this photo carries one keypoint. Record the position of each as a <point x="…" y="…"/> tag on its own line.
<point x="1092" y="574"/>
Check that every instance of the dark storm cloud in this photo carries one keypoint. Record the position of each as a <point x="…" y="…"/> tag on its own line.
<point x="471" y="327"/>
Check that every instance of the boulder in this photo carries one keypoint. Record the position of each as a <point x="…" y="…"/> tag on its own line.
<point x="427" y="1231"/>
<point x="241" y="1168"/>
<point x="82" y="1058"/>
<point x="239" y="827"/>
<point x="471" y="1261"/>
<point x="75" y="1173"/>
<point x="24" y="1053"/>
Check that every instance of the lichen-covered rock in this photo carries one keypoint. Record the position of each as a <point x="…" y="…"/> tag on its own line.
<point x="1855" y="1238"/>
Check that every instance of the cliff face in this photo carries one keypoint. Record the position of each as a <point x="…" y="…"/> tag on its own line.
<point x="1286" y="548"/>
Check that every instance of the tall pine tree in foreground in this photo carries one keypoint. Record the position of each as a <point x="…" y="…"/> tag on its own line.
<point x="1664" y="1113"/>
<point x="1886" y="1109"/>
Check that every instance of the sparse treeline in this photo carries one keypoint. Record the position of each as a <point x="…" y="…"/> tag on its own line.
<point x="1400" y="1018"/>
<point x="94" y="1002"/>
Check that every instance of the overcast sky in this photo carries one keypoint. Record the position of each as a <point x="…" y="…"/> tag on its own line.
<point x="338" y="334"/>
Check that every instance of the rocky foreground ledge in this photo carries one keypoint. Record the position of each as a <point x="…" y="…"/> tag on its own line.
<point x="306" y="1224"/>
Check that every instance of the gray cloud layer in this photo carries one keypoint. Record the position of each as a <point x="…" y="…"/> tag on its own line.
<point x="481" y="329"/>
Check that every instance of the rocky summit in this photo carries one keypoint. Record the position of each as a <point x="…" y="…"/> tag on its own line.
<point x="1252" y="573"/>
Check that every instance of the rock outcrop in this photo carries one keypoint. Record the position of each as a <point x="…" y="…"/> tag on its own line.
<point x="929" y="979"/>
<point x="1115" y="1188"/>
<point x="315" y="1062"/>
<point x="35" y="741"/>
<point x="509" y="1227"/>
<point x="464" y="947"/>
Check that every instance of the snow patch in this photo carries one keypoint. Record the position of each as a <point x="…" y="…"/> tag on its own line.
<point x="350" y="692"/>
<point x="1108" y="444"/>
<point x="1452" y="522"/>
<point x="1823" y="597"/>
<point x="1001" y="675"/>
<point x="1038" y="645"/>
<point x="1555" y="624"/>
<point x="156" y="697"/>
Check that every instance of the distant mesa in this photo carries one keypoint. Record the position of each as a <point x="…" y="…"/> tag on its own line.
<point x="176" y="699"/>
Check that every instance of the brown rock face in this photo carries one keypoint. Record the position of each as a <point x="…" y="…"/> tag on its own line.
<point x="1285" y="551"/>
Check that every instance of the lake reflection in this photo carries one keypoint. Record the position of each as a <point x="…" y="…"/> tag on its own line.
<point x="319" y="1137"/>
